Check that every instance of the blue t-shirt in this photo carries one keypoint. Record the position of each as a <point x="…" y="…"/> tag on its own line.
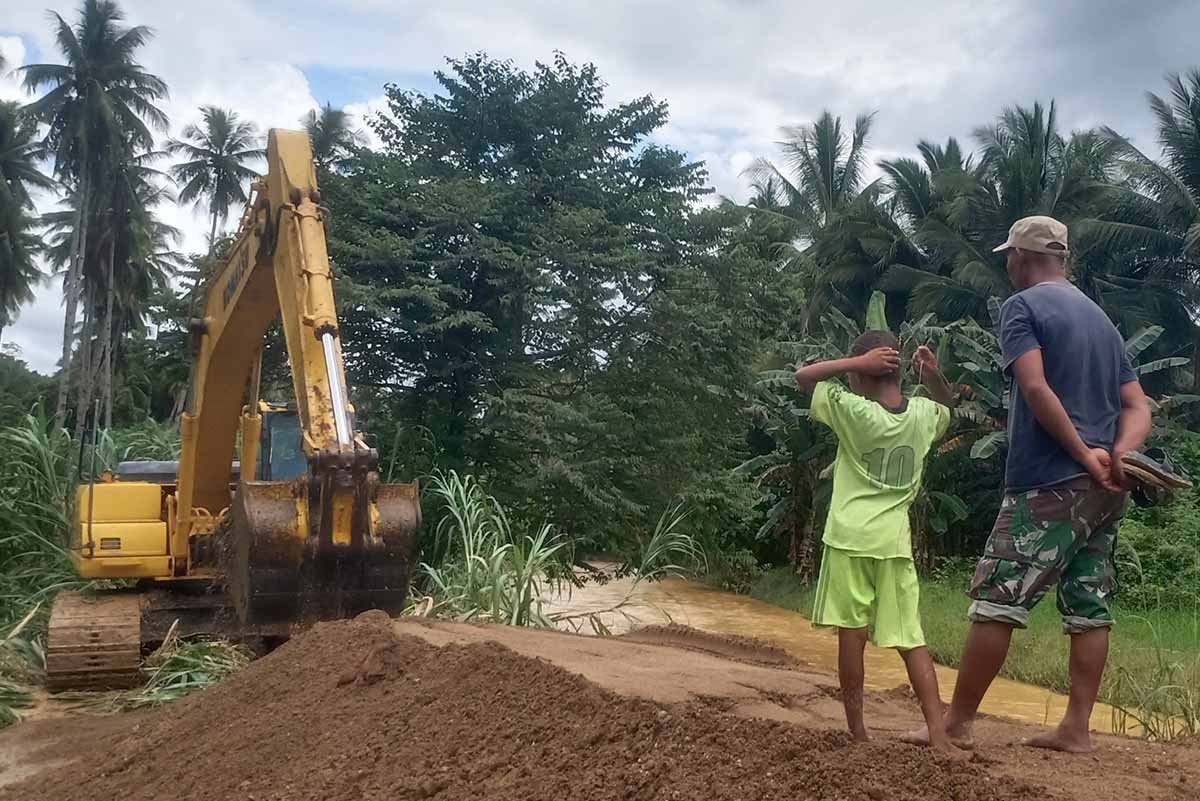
<point x="1085" y="364"/>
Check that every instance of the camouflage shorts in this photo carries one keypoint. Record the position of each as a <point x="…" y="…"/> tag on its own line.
<point x="1062" y="535"/>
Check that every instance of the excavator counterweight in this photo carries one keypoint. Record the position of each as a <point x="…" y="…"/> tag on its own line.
<point x="299" y="528"/>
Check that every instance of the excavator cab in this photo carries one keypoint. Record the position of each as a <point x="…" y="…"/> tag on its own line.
<point x="280" y="446"/>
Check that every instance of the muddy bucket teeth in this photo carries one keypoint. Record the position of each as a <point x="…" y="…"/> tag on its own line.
<point x="278" y="571"/>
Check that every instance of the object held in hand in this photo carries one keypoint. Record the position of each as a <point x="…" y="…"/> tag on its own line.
<point x="1156" y="476"/>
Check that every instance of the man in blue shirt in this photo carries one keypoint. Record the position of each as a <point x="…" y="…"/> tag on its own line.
<point x="1077" y="407"/>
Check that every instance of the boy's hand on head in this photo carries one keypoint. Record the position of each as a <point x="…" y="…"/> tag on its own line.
<point x="878" y="362"/>
<point x="924" y="361"/>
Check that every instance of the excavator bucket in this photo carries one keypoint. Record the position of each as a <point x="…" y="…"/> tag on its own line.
<point x="280" y="568"/>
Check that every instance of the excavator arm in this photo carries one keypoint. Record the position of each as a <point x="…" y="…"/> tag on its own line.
<point x="337" y="540"/>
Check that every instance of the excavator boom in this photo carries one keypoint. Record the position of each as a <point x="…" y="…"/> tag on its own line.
<point x="337" y="541"/>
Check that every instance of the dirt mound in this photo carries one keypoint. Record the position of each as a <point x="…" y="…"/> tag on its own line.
<point x="353" y="711"/>
<point x="739" y="649"/>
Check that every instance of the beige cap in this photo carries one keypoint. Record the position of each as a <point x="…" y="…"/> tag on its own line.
<point x="1037" y="234"/>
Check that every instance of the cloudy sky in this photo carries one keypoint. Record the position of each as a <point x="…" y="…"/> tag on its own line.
<point x="733" y="71"/>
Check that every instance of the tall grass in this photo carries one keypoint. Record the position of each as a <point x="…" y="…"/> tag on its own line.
<point x="147" y="440"/>
<point x="1161" y="700"/>
<point x="489" y="571"/>
<point x="13" y="698"/>
<point x="34" y="561"/>
<point x="34" y="486"/>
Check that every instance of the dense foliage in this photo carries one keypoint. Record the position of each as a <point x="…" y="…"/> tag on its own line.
<point x="526" y="280"/>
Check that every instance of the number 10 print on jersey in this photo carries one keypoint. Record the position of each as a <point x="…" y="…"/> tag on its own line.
<point x="896" y="470"/>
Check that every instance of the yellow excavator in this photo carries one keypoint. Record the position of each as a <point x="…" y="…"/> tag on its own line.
<point x="298" y="527"/>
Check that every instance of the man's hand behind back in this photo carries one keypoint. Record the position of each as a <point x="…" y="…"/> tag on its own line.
<point x="1098" y="463"/>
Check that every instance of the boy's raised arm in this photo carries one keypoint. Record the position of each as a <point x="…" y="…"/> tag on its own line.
<point x="925" y="365"/>
<point x="879" y="361"/>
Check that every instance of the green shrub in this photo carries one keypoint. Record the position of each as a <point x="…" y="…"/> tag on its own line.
<point x="1158" y="550"/>
<point x="1159" y="555"/>
<point x="732" y="569"/>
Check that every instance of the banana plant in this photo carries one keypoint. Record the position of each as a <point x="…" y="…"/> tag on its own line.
<point x="980" y="366"/>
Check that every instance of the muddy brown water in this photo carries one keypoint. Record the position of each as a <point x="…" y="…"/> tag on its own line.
<point x="692" y="604"/>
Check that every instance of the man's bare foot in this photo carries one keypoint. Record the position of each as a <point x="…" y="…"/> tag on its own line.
<point x="961" y="737"/>
<point x="860" y="736"/>
<point x="1063" y="740"/>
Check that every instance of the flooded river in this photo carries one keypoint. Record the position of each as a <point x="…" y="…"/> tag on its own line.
<point x="692" y="604"/>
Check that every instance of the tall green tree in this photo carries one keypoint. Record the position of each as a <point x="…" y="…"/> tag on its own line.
<point x="98" y="103"/>
<point x="19" y="174"/>
<point x="524" y="280"/>
<point x="216" y="168"/>
<point x="333" y="136"/>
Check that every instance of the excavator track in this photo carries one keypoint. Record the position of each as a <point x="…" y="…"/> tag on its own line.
<point x="94" y="642"/>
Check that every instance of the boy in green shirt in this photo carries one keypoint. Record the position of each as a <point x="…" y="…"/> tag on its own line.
<point x="868" y="584"/>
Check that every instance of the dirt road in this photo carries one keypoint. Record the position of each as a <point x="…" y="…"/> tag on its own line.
<point x="372" y="709"/>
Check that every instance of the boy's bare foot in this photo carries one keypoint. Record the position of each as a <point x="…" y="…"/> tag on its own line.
<point x="948" y="749"/>
<point x="1061" y="739"/>
<point x="961" y="737"/>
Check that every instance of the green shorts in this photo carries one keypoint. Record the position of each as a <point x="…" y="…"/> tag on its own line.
<point x="1062" y="535"/>
<point x="881" y="595"/>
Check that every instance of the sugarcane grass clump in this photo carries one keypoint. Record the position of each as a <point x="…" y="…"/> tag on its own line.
<point x="179" y="667"/>
<point x="488" y="571"/>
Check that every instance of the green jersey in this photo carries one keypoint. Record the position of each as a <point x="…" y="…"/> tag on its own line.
<point x="877" y="472"/>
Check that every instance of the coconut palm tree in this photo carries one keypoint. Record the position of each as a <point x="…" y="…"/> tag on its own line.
<point x="1155" y="222"/>
<point x="956" y="209"/>
<point x="215" y="171"/>
<point x="332" y="136"/>
<point x="98" y="102"/>
<point x="823" y="169"/>
<point x="19" y="173"/>
<point x="130" y="254"/>
<point x="821" y="189"/>
<point x="139" y="258"/>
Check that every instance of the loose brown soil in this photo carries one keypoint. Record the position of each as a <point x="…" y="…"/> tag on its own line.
<point x="368" y="709"/>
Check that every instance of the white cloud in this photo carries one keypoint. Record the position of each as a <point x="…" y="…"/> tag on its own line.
<point x="13" y="51"/>
<point x="363" y="113"/>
